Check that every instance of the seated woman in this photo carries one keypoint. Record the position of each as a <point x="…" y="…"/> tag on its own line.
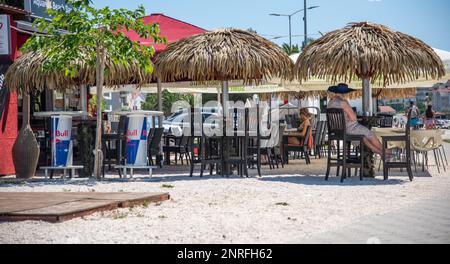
<point x="298" y="137"/>
<point x="351" y="121"/>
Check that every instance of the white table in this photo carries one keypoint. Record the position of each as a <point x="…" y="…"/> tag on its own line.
<point x="140" y="112"/>
<point x="60" y="113"/>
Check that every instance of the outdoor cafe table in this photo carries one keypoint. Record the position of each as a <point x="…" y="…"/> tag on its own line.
<point x="380" y="132"/>
<point x="415" y="134"/>
<point x="61" y="139"/>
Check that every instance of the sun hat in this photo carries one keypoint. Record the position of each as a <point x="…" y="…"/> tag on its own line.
<point x="341" y="88"/>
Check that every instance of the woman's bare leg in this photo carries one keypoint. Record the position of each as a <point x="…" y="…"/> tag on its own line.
<point x="375" y="145"/>
<point x="372" y="146"/>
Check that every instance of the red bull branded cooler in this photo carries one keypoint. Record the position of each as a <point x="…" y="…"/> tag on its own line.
<point x="137" y="140"/>
<point x="61" y="139"/>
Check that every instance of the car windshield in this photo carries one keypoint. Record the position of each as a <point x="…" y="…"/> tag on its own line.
<point x="172" y="117"/>
<point x="180" y="116"/>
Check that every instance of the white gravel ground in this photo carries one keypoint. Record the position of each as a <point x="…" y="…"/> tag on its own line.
<point x="292" y="205"/>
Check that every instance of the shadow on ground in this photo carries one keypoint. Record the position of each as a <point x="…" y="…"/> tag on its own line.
<point x="297" y="173"/>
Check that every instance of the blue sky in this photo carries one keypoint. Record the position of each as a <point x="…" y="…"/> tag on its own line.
<point x="425" y="19"/>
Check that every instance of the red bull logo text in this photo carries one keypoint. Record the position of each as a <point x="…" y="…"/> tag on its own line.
<point x="132" y="133"/>
<point x="64" y="133"/>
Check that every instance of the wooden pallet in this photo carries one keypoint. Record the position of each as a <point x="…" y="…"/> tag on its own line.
<point x="59" y="207"/>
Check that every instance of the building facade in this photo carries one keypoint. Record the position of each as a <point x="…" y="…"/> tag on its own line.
<point x="441" y="97"/>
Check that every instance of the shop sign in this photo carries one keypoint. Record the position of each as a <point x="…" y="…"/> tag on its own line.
<point x="5" y="35"/>
<point x="38" y="8"/>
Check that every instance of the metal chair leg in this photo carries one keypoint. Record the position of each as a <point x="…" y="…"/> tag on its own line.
<point x="445" y="155"/>
<point x="327" y="175"/>
<point x="442" y="159"/>
<point x="413" y="153"/>
<point x="383" y="156"/>
<point x="436" y="161"/>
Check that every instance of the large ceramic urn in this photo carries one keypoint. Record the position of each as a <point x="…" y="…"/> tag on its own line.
<point x="26" y="148"/>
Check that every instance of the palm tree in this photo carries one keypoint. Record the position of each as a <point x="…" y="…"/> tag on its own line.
<point x="290" y="50"/>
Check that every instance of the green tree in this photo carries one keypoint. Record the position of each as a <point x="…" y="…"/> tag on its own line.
<point x="308" y="41"/>
<point x="151" y="101"/>
<point x="290" y="50"/>
<point x="422" y="107"/>
<point x="93" y="103"/>
<point x="94" y="32"/>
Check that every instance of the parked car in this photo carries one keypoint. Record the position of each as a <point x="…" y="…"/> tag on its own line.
<point x="180" y="119"/>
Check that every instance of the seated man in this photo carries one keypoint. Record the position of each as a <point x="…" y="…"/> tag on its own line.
<point x="353" y="127"/>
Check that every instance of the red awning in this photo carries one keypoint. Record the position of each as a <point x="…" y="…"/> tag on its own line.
<point x="386" y="109"/>
<point x="171" y="28"/>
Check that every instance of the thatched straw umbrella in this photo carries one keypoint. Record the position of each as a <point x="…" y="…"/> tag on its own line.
<point x="222" y="55"/>
<point x="26" y="76"/>
<point x="371" y="52"/>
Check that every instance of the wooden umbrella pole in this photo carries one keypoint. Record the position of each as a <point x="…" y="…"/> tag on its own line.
<point x="100" y="71"/>
<point x="83" y="100"/>
<point x="160" y="118"/>
<point x="225" y="97"/>
<point x="367" y="97"/>
<point x="159" y="96"/>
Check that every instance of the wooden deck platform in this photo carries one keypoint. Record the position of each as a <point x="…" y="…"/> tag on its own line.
<point x="58" y="207"/>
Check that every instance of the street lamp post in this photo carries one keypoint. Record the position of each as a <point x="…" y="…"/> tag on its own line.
<point x="306" y="22"/>
<point x="290" y="25"/>
<point x="290" y="19"/>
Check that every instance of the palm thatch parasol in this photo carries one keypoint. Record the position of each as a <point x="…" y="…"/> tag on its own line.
<point x="26" y="75"/>
<point x="371" y="52"/>
<point x="221" y="55"/>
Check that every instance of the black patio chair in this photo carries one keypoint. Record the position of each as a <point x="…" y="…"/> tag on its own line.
<point x="278" y="148"/>
<point x="337" y="132"/>
<point x="386" y="120"/>
<point x="203" y="150"/>
<point x="319" y="139"/>
<point x="154" y="145"/>
<point x="301" y="148"/>
<point x="254" y="141"/>
<point x="180" y="148"/>
<point x="237" y="155"/>
<point x="398" y="163"/>
<point x="114" y="144"/>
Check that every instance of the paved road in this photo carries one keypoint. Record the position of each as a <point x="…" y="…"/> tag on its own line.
<point x="426" y="222"/>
